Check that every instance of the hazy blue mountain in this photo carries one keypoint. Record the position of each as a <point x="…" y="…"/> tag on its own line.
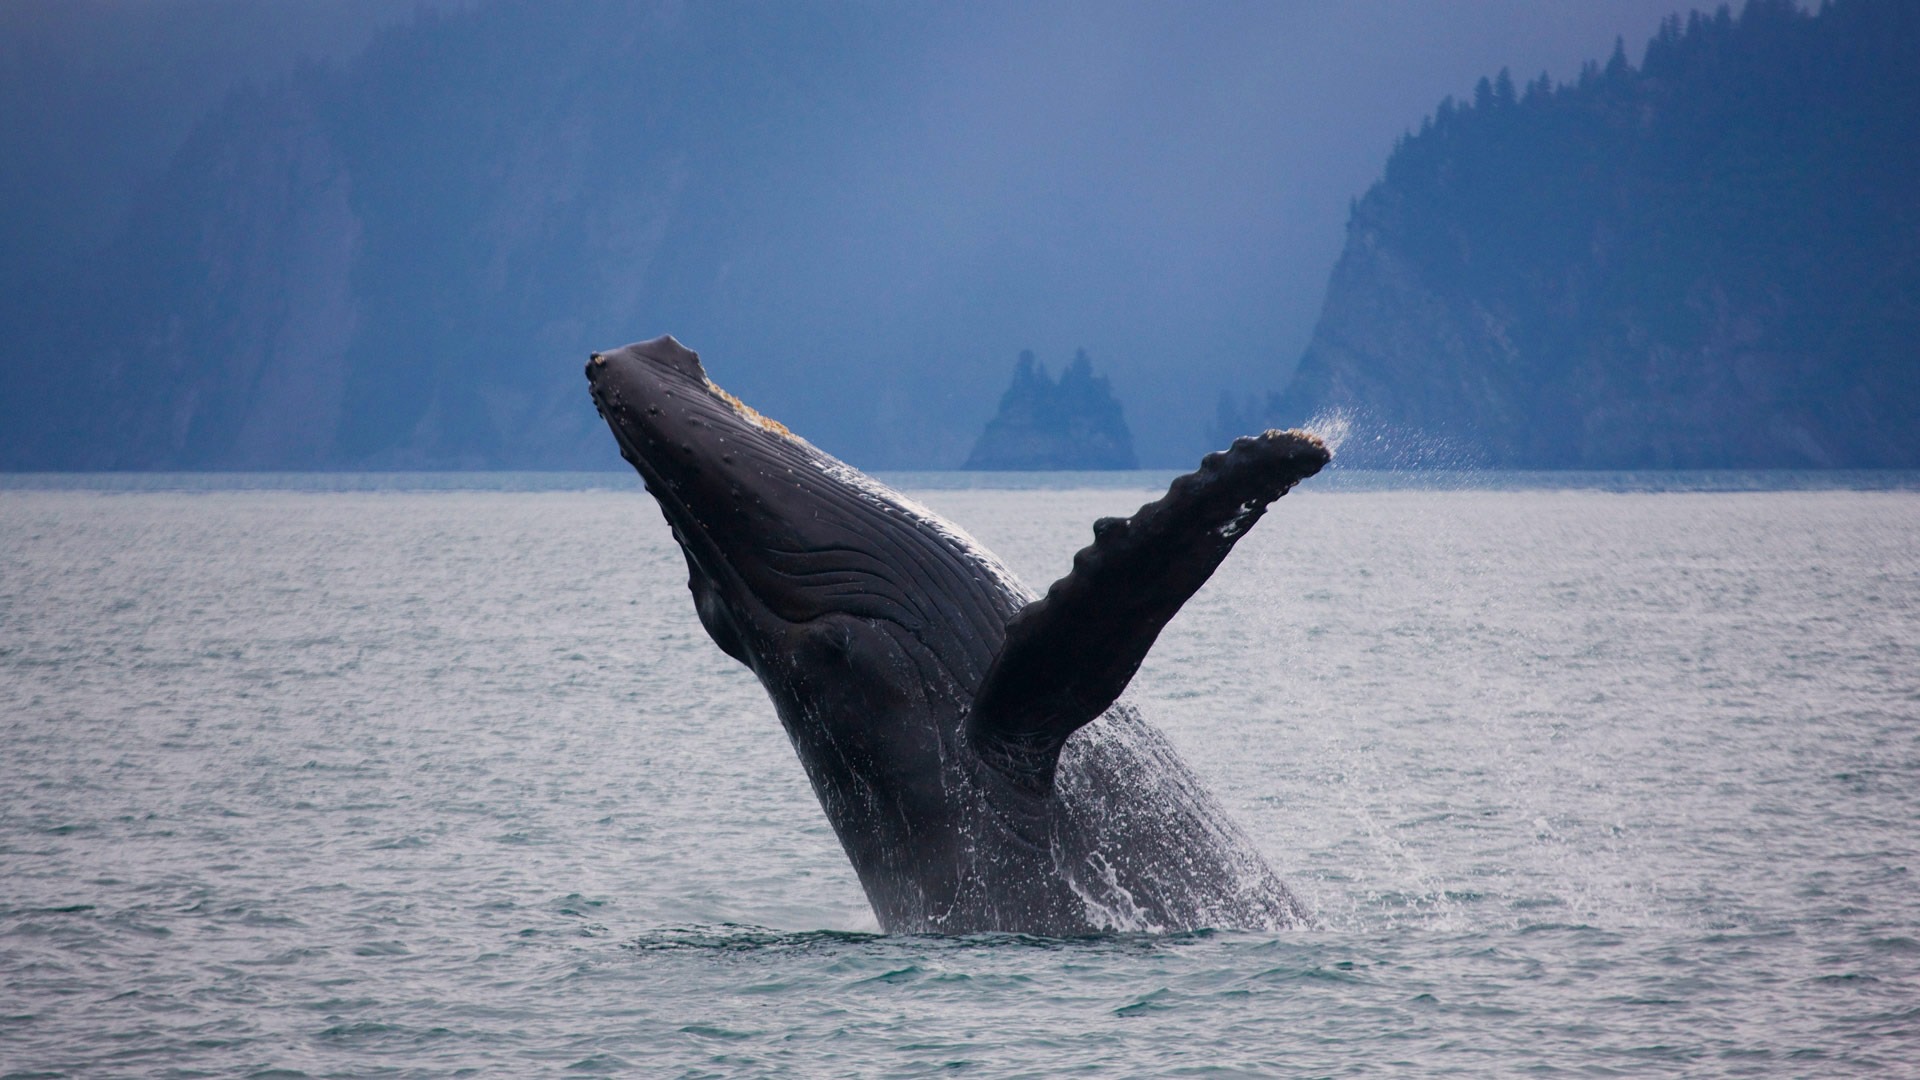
<point x="97" y="95"/>
<point x="1074" y="423"/>
<point x="399" y="257"/>
<point x="402" y="262"/>
<point x="1711" y="260"/>
<point x="853" y="209"/>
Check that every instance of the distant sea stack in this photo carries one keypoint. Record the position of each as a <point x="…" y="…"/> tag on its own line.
<point x="1710" y="261"/>
<point x="1074" y="423"/>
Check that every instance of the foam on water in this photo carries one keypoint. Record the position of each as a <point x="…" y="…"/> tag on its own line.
<point x="361" y="783"/>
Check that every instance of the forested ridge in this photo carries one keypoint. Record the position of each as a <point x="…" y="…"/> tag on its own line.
<point x="1708" y="260"/>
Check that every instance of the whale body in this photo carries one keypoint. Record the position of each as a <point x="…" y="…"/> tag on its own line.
<point x="966" y="738"/>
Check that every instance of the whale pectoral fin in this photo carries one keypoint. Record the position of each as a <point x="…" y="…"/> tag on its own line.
<point x="1069" y="654"/>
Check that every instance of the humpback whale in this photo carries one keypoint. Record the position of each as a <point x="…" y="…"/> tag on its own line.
<point x="967" y="739"/>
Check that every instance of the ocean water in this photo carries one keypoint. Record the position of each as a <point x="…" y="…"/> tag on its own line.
<point x="380" y="781"/>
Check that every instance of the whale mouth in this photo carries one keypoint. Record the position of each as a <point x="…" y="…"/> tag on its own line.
<point x="776" y="531"/>
<point x="769" y="525"/>
<point x="686" y="437"/>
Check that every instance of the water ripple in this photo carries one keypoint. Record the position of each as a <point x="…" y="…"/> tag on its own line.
<point x="413" y="784"/>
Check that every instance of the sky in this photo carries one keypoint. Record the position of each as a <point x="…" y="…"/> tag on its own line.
<point x="1165" y="185"/>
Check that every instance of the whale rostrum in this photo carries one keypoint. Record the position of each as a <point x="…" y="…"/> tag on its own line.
<point x="967" y="740"/>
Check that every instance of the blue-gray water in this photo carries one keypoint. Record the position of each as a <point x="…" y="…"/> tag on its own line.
<point x="405" y="783"/>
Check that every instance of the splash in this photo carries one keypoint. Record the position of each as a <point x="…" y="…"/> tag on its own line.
<point x="1331" y="426"/>
<point x="1361" y="440"/>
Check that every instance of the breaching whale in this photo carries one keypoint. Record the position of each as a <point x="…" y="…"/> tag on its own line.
<point x="965" y="738"/>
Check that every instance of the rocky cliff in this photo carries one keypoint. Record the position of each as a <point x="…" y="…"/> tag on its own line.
<point x="1074" y="423"/>
<point x="402" y="263"/>
<point x="1711" y="260"/>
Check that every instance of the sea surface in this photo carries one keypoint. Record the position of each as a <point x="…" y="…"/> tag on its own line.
<point x="392" y="777"/>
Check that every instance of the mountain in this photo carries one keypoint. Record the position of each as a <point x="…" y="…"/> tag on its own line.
<point x="400" y="255"/>
<point x="1074" y="423"/>
<point x="1711" y="260"/>
<point x="402" y="262"/>
<point x="97" y="95"/>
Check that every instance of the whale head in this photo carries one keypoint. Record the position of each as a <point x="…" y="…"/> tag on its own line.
<point x="850" y="602"/>
<point x="778" y="535"/>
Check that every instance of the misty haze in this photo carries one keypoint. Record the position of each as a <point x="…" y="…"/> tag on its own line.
<point x="833" y="537"/>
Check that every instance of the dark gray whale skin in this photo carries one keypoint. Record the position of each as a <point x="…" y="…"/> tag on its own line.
<point x="965" y="739"/>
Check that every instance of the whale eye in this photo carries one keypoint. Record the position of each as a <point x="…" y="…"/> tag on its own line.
<point x="823" y="647"/>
